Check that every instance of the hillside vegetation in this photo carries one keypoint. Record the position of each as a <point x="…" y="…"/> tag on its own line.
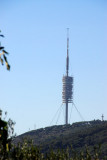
<point x="78" y="135"/>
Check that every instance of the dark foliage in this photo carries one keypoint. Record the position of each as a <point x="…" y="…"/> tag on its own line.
<point x="27" y="151"/>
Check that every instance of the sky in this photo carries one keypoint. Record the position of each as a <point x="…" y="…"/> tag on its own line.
<point x="36" y="39"/>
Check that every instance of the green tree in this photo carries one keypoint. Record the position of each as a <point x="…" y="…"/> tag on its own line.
<point x="6" y="132"/>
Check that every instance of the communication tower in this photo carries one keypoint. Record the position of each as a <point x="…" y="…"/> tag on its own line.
<point x="67" y="93"/>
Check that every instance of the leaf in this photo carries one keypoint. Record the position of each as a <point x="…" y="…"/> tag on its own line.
<point x="2" y="35"/>
<point x="5" y="52"/>
<point x="1" y="48"/>
<point x="1" y="61"/>
<point x="8" y="67"/>
<point x="5" y="58"/>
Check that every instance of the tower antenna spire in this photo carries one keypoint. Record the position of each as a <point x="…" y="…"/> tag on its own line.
<point x="67" y="59"/>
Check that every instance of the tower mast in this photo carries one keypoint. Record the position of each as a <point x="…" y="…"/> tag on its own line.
<point x="67" y="94"/>
<point x="67" y="72"/>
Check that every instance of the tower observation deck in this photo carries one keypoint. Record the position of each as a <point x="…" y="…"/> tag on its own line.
<point x="67" y="93"/>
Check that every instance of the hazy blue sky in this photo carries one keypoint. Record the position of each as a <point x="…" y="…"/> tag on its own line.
<point x="35" y="37"/>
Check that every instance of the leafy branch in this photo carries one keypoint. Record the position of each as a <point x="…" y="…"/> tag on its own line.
<point x="3" y="55"/>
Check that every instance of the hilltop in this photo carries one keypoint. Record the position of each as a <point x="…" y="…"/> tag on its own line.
<point x="79" y="135"/>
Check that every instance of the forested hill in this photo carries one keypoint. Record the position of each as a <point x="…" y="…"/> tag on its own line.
<point x="79" y="135"/>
